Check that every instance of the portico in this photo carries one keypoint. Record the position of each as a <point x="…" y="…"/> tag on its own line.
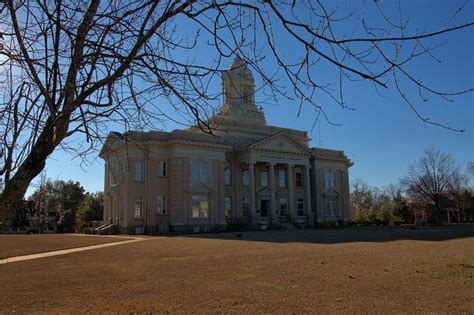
<point x="290" y="164"/>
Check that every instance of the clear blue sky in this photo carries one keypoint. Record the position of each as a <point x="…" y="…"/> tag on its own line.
<point x="382" y="136"/>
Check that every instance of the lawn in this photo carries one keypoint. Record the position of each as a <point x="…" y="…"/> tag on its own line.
<point x="312" y="271"/>
<point x="17" y="245"/>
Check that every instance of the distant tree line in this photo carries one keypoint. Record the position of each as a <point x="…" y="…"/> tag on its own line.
<point x="65" y="201"/>
<point x="434" y="188"/>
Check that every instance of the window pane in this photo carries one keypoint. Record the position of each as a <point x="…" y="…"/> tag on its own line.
<point x="138" y="208"/>
<point x="329" y="180"/>
<point x="228" y="207"/>
<point x="264" y="178"/>
<point x="195" y="211"/>
<point x="282" y="178"/>
<point x="204" y="172"/>
<point x="300" y="207"/>
<point x="299" y="179"/>
<point x="283" y="206"/>
<point x="138" y="171"/>
<point x="159" y="205"/>
<point x="245" y="177"/>
<point x="195" y="172"/>
<point x="331" y="208"/>
<point x="227" y="176"/>
<point x="300" y="204"/>
<point x="204" y="207"/>
<point x="200" y="206"/>
<point x="161" y="168"/>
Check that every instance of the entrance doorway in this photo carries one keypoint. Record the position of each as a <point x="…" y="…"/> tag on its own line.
<point x="264" y="207"/>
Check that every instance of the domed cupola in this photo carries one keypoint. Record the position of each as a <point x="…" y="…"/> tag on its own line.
<point x="239" y="93"/>
<point x="238" y="71"/>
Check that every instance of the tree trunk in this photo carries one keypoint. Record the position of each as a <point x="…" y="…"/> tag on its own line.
<point x="34" y="163"/>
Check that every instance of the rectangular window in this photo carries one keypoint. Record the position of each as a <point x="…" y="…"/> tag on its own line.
<point x="282" y="178"/>
<point x="195" y="172"/>
<point x="331" y="208"/>
<point x="200" y="172"/>
<point x="138" y="209"/>
<point x="283" y="206"/>
<point x="204" y="172"/>
<point x="300" y="207"/>
<point x="264" y="178"/>
<point x="245" y="177"/>
<point x="329" y="181"/>
<point x="139" y="171"/>
<point x="227" y="176"/>
<point x="161" y="205"/>
<point x="161" y="169"/>
<point x="228" y="207"/>
<point x="299" y="179"/>
<point x="200" y="206"/>
<point x="245" y="207"/>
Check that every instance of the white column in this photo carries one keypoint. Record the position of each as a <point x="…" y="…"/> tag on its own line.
<point x="272" y="192"/>
<point x="291" y="193"/>
<point x="253" y="212"/>
<point x="309" y="211"/>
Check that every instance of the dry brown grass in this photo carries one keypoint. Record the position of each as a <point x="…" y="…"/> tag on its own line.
<point x="17" y="245"/>
<point x="313" y="271"/>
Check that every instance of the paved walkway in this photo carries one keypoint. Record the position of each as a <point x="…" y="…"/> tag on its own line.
<point x="66" y="251"/>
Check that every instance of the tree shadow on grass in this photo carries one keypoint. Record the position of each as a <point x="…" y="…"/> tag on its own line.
<point x="346" y="235"/>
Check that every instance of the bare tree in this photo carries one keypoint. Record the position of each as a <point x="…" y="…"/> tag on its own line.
<point x="70" y="70"/>
<point x="430" y="179"/>
<point x="470" y="168"/>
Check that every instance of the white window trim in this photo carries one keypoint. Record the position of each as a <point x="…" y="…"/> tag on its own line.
<point x="242" y="177"/>
<point x="142" y="175"/>
<point x="164" y="205"/>
<point x="282" y="171"/>
<point x="329" y="180"/>
<point x="230" y="176"/>
<point x="229" y="198"/>
<point x="200" y="180"/>
<point x="298" y="202"/>
<point x="200" y="209"/>
<point x="261" y="177"/>
<point x="140" y="199"/>
<point x="161" y="168"/>
<point x="298" y="171"/>
<point x="331" y="210"/>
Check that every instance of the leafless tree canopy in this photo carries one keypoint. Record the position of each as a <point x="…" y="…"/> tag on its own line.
<point x="431" y="177"/>
<point x="73" y="70"/>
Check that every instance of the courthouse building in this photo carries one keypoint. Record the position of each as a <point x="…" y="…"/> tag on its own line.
<point x="250" y="172"/>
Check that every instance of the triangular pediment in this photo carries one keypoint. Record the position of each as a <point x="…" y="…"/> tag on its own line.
<point x="331" y="194"/>
<point x="200" y="188"/>
<point x="280" y="142"/>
